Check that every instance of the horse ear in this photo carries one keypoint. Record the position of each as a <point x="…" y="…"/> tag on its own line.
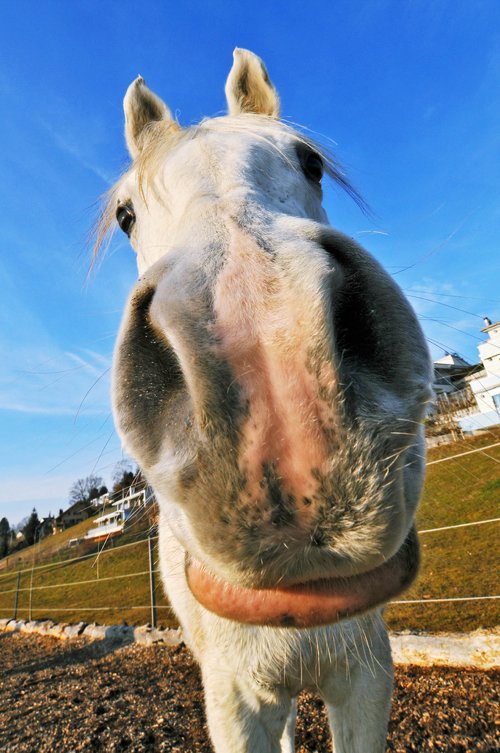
<point x="249" y="88"/>
<point x="141" y="107"/>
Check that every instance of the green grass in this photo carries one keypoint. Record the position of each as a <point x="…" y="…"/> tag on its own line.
<point x="455" y="563"/>
<point x="458" y="562"/>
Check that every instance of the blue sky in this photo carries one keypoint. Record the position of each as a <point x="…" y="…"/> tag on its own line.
<point x="408" y="91"/>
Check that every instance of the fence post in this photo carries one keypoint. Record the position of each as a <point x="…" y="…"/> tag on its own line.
<point x="16" y="602"/>
<point x="31" y="597"/>
<point x="152" y="580"/>
<point x="30" y="616"/>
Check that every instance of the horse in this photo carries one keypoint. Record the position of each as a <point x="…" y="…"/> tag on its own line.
<point x="271" y="379"/>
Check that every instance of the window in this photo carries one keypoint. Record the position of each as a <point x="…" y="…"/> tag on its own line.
<point x="496" y="400"/>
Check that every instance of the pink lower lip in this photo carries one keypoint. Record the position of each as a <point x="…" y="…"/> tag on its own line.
<point x="310" y="604"/>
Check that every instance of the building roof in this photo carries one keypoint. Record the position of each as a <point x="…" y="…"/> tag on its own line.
<point x="451" y="360"/>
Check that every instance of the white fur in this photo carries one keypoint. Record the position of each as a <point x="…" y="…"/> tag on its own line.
<point x="188" y="190"/>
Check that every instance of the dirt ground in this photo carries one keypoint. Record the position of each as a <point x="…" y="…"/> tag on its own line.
<point x="60" y="697"/>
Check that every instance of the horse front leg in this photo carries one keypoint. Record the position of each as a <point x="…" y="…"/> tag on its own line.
<point x="244" y="718"/>
<point x="288" y="736"/>
<point x="358" y="699"/>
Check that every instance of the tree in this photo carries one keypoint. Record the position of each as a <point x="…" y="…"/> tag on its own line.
<point x="85" y="489"/>
<point x="123" y="469"/>
<point x="19" y="526"/>
<point x="124" y="476"/>
<point x="4" y="537"/>
<point x="46" y="525"/>
<point x="30" y="528"/>
<point x="93" y="493"/>
<point x="125" y="481"/>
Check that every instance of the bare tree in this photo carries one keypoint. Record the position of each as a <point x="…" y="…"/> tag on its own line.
<point x="85" y="489"/>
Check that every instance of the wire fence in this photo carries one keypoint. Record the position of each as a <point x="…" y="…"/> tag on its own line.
<point x="27" y="585"/>
<point x="55" y="587"/>
<point x="122" y="582"/>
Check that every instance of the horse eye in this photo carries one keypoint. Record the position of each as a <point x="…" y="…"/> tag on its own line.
<point x="125" y="217"/>
<point x="313" y="166"/>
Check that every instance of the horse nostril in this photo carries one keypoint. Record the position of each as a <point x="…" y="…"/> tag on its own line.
<point x="142" y="298"/>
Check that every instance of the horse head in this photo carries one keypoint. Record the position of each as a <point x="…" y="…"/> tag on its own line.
<point x="270" y="377"/>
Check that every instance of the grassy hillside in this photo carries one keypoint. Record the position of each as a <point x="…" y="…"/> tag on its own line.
<point x="109" y="586"/>
<point x="463" y="561"/>
<point x="114" y="585"/>
<point x="48" y="548"/>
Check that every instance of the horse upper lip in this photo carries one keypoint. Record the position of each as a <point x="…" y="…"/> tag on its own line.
<point x="408" y="553"/>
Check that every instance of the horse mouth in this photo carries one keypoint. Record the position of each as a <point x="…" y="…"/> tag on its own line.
<point x="308" y="604"/>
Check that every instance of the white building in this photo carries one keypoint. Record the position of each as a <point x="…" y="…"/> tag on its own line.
<point x="485" y="384"/>
<point x="101" y="501"/>
<point x="449" y="374"/>
<point x="114" y="522"/>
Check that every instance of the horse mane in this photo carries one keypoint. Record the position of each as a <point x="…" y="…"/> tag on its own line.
<point x="161" y="137"/>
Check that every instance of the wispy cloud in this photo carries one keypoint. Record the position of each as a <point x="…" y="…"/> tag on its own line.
<point x="70" y="146"/>
<point x="39" y="376"/>
<point x="87" y="364"/>
<point x="40" y="410"/>
<point x="55" y="389"/>
<point x="372" y="232"/>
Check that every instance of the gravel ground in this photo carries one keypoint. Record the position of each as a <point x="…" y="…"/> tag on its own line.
<point x="60" y="697"/>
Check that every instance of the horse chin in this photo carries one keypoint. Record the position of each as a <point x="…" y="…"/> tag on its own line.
<point x="311" y="603"/>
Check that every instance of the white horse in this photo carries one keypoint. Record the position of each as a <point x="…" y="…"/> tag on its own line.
<point x="270" y="378"/>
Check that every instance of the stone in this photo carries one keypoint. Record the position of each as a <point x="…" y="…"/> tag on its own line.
<point x="29" y="626"/>
<point x="14" y="625"/>
<point x="57" y="630"/>
<point x="73" y="631"/>
<point x="148" y="636"/>
<point x="122" y="633"/>
<point x="44" y="627"/>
